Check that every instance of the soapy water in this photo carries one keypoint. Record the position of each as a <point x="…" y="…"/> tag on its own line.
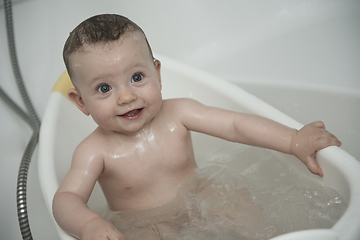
<point x="239" y="194"/>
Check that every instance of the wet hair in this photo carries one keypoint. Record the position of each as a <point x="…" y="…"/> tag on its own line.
<point x="102" y="28"/>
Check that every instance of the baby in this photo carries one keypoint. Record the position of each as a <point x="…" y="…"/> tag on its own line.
<point x="141" y="150"/>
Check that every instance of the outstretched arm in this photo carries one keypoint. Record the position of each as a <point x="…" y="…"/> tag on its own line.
<point x="258" y="131"/>
<point x="70" y="201"/>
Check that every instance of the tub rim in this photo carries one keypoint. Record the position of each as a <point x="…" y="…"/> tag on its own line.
<point x="346" y="227"/>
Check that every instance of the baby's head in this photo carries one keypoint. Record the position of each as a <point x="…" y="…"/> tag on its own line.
<point x="99" y="29"/>
<point x="117" y="80"/>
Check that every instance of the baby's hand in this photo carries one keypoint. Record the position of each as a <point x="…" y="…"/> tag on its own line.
<point x="308" y="140"/>
<point x="99" y="229"/>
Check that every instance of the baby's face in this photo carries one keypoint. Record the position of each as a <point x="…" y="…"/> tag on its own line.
<point x="119" y="83"/>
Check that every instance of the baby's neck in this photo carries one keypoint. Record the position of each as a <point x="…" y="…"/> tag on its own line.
<point x="143" y="134"/>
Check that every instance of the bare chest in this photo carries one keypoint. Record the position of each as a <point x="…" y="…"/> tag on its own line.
<point x="147" y="169"/>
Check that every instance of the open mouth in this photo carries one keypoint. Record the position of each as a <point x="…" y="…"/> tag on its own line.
<point x="132" y="114"/>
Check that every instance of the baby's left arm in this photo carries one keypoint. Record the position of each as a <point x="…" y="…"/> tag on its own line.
<point x="257" y="131"/>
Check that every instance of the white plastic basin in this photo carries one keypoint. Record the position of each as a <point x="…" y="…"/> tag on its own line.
<point x="64" y="126"/>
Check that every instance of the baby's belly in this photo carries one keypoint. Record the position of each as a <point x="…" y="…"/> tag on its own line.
<point x="148" y="192"/>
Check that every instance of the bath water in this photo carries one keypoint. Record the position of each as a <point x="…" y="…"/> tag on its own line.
<point x="239" y="194"/>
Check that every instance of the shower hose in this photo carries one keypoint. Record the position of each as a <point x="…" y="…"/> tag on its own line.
<point x="31" y="118"/>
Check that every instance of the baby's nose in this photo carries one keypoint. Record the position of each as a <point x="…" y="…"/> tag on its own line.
<point x="126" y="96"/>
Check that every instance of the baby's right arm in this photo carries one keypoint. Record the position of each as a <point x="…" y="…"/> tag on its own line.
<point x="70" y="201"/>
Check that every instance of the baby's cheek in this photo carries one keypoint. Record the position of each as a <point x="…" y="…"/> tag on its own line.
<point x="101" y="117"/>
<point x="151" y="94"/>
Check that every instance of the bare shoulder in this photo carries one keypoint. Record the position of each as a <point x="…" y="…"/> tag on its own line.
<point x="181" y="105"/>
<point x="198" y="117"/>
<point x="186" y="111"/>
<point x="89" y="152"/>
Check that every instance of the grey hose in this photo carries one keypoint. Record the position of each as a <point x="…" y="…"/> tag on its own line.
<point x="14" y="62"/>
<point x="32" y="119"/>
<point x="21" y="187"/>
<point x="24" y="116"/>
<point x="23" y="169"/>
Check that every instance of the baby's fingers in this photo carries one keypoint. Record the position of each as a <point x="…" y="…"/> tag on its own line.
<point x="328" y="140"/>
<point x="313" y="167"/>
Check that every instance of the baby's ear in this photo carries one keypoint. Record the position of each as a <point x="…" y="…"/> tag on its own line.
<point x="76" y="98"/>
<point x="157" y="64"/>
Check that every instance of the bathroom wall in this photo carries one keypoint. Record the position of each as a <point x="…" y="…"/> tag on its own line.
<point x="302" y="56"/>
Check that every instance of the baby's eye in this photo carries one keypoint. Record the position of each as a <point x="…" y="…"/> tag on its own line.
<point x="104" y="88"/>
<point x="137" y="77"/>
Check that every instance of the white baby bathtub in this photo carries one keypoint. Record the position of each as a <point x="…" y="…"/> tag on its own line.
<point x="64" y="126"/>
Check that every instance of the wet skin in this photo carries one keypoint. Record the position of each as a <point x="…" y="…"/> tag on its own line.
<point x="142" y="151"/>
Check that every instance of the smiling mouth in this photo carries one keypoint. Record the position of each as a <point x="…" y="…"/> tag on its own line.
<point x="132" y="114"/>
